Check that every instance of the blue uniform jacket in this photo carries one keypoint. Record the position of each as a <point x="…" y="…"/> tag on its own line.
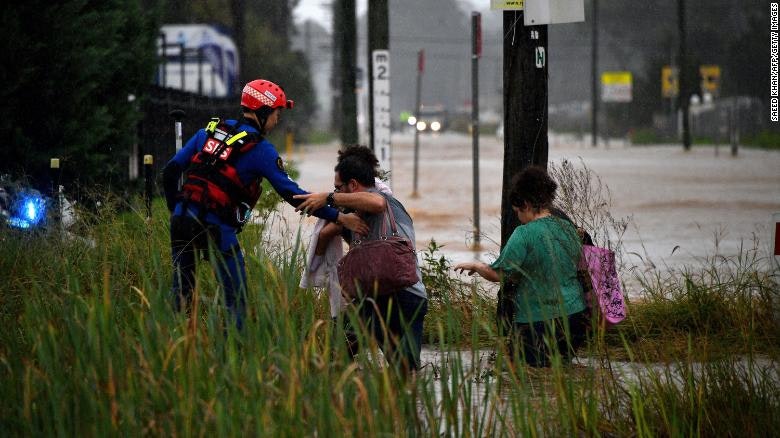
<point x="262" y="161"/>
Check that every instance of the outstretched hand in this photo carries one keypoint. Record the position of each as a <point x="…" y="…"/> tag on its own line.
<point x="311" y="202"/>
<point x="471" y="267"/>
<point x="483" y="269"/>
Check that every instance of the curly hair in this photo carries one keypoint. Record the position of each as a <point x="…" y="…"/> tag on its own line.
<point x="534" y="186"/>
<point x="359" y="163"/>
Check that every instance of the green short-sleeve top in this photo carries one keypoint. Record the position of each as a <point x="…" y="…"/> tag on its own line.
<point x="541" y="258"/>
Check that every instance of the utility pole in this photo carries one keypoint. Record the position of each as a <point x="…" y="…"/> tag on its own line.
<point x="335" y="79"/>
<point x="348" y="44"/>
<point x="525" y="106"/>
<point x="594" y="76"/>
<point x="307" y="41"/>
<point x="685" y="98"/>
<point x="525" y="124"/>
<point x="378" y="39"/>
<point x="476" y="52"/>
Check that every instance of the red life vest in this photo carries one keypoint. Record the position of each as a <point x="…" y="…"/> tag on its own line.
<point x="212" y="180"/>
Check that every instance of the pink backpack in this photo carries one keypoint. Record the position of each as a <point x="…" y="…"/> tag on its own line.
<point x="600" y="264"/>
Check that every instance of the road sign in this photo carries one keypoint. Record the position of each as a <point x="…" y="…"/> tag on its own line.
<point x="670" y="84"/>
<point x="506" y="5"/>
<point x="477" y="43"/>
<point x="381" y="99"/>
<point x="616" y="86"/>
<point x="710" y="79"/>
<point x="538" y="12"/>
<point x="776" y="220"/>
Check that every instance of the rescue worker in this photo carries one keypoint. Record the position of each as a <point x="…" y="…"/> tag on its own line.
<point x="223" y="166"/>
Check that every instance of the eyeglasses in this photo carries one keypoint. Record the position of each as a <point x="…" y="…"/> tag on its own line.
<point x="339" y="187"/>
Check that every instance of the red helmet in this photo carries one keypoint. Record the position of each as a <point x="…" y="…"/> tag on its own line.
<point x="260" y="93"/>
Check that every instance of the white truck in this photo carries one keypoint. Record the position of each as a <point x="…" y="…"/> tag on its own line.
<point x="208" y="64"/>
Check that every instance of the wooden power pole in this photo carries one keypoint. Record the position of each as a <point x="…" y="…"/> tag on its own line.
<point x="525" y="123"/>
<point x="348" y="67"/>
<point x="525" y="106"/>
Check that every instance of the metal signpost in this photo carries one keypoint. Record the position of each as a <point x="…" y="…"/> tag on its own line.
<point x="476" y="52"/>
<point x="381" y="106"/>
<point x="420" y="70"/>
<point x="178" y="116"/>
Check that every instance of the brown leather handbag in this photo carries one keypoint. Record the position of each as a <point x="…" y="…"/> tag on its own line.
<point x="379" y="267"/>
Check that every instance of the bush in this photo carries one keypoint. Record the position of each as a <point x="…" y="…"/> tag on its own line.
<point x="646" y="136"/>
<point x="764" y="140"/>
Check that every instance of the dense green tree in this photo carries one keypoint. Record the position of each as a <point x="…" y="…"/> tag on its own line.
<point x="72" y="72"/>
<point x="268" y="55"/>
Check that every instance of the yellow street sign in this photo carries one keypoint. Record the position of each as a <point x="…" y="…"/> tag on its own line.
<point x="616" y="78"/>
<point x="710" y="79"/>
<point x="670" y="85"/>
<point x="507" y="5"/>
<point x="616" y="86"/>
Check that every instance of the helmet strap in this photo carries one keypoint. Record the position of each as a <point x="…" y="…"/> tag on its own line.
<point x="262" y="115"/>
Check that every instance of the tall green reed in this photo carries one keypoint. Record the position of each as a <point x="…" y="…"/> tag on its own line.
<point x="93" y="348"/>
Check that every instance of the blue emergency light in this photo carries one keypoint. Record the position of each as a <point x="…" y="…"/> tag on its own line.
<point x="27" y="211"/>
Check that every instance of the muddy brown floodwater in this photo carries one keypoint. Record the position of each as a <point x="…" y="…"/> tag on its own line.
<point x="682" y="204"/>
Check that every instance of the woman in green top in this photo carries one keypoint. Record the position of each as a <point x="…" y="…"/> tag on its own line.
<point x="541" y="258"/>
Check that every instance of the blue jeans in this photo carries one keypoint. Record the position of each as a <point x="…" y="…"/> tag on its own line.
<point x="191" y="238"/>
<point x="402" y="315"/>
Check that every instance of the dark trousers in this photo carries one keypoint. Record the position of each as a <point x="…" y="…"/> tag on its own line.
<point x="190" y="239"/>
<point x="528" y="339"/>
<point x="396" y="323"/>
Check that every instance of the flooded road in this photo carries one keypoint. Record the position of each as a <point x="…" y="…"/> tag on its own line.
<point x="682" y="204"/>
<point x="485" y="390"/>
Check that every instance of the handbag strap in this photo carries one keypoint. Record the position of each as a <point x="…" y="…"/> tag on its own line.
<point x="388" y="217"/>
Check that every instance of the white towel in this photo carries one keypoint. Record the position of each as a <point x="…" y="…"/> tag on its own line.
<point x="322" y="271"/>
